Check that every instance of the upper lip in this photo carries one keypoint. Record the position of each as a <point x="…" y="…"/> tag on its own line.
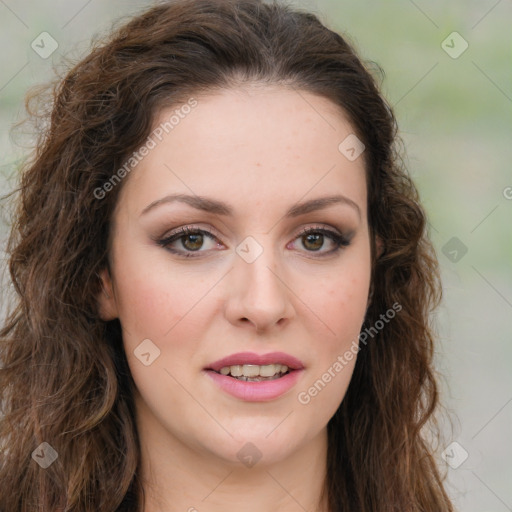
<point x="257" y="359"/>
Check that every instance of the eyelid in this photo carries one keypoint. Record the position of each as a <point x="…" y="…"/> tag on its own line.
<point x="190" y="228"/>
<point x="178" y="233"/>
<point x="322" y="227"/>
<point x="339" y="238"/>
<point x="216" y="234"/>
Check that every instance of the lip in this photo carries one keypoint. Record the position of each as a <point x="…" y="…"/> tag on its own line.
<point x="262" y="391"/>
<point x="257" y="359"/>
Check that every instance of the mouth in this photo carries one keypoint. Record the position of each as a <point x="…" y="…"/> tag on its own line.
<point x="255" y="377"/>
<point x="254" y="372"/>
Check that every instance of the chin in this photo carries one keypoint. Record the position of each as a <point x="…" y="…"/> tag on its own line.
<point x="263" y="445"/>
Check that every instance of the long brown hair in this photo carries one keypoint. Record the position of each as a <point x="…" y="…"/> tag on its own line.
<point x="65" y="380"/>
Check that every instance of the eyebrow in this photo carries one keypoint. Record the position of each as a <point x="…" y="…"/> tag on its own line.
<point x="214" y="206"/>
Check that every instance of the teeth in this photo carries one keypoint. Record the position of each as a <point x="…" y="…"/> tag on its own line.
<point x="236" y="370"/>
<point x="269" y="370"/>
<point x="250" y="370"/>
<point x="253" y="370"/>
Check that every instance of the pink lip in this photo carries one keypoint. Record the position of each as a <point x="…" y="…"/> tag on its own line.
<point x="258" y="359"/>
<point x="256" y="391"/>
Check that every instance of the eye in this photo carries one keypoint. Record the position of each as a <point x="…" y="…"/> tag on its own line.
<point x="192" y="240"/>
<point x="313" y="239"/>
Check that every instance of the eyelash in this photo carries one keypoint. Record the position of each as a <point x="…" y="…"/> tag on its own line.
<point x="339" y="240"/>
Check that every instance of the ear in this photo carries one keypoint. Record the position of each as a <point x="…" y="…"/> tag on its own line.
<point x="106" y="300"/>
<point x="379" y="244"/>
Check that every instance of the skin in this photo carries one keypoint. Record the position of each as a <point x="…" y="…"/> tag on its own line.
<point x="261" y="150"/>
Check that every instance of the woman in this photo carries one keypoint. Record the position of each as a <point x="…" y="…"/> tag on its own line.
<point x="223" y="280"/>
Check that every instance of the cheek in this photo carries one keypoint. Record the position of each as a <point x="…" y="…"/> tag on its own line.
<point x="343" y="310"/>
<point x="147" y="305"/>
<point x="341" y="307"/>
<point x="157" y="304"/>
<point x="161" y="303"/>
<point x="348" y="309"/>
<point x="347" y="295"/>
<point x="153" y="296"/>
<point x="339" y="302"/>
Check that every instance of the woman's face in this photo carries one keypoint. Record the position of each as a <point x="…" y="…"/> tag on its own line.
<point x="246" y="172"/>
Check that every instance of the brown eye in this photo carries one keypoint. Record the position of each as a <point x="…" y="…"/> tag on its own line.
<point x="313" y="241"/>
<point x="191" y="241"/>
<point x="196" y="241"/>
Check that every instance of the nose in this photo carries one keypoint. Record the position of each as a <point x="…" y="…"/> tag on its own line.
<point x="259" y="295"/>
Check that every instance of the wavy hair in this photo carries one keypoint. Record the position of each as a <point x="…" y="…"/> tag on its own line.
<point x="65" y="378"/>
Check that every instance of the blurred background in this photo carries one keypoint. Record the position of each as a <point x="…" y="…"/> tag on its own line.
<point x="448" y="74"/>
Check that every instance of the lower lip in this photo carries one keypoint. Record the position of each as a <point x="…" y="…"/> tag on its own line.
<point x="262" y="391"/>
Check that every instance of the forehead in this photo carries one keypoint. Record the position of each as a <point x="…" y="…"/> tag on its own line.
<point x="250" y="146"/>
